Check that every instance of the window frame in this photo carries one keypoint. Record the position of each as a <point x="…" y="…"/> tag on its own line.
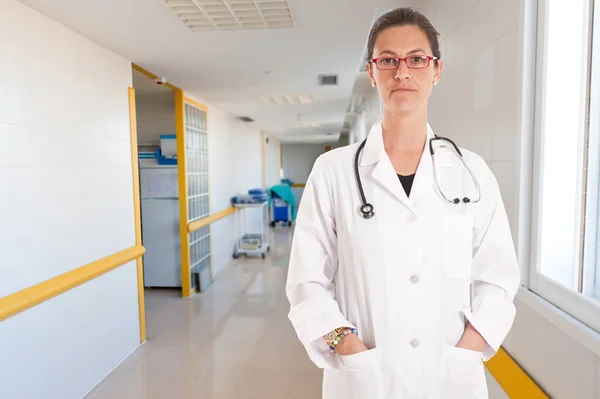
<point x="579" y="306"/>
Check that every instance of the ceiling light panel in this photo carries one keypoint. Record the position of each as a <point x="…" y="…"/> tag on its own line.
<point x="203" y="15"/>
<point x="287" y="99"/>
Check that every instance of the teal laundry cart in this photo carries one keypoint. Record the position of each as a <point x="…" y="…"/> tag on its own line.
<point x="283" y="205"/>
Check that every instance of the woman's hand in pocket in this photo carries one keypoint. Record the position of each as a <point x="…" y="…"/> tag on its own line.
<point x="350" y="345"/>
<point x="472" y="340"/>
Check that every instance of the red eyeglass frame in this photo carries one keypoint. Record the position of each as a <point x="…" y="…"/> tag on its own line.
<point x="429" y="59"/>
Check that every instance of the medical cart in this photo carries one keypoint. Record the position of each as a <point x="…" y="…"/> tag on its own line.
<point x="250" y="241"/>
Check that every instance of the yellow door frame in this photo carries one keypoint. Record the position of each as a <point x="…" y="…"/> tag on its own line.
<point x="137" y="211"/>
<point x="186" y="280"/>
<point x="186" y="289"/>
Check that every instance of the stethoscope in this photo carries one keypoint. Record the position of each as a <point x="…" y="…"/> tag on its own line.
<point x="367" y="209"/>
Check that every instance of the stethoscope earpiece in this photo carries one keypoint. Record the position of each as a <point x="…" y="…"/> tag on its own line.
<point x="367" y="211"/>
<point x="466" y="200"/>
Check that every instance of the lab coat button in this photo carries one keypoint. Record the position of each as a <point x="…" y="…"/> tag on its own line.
<point x="415" y="343"/>
<point x="411" y="217"/>
<point x="414" y="279"/>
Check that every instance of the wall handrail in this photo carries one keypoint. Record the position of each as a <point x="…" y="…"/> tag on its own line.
<point x="198" y="224"/>
<point x="36" y="294"/>
<point x="512" y="378"/>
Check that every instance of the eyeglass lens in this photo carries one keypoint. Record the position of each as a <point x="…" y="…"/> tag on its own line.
<point x="411" y="62"/>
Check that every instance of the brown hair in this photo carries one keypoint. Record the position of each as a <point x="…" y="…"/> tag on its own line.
<point x="403" y="17"/>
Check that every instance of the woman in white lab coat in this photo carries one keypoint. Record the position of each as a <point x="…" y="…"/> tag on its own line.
<point x="407" y="297"/>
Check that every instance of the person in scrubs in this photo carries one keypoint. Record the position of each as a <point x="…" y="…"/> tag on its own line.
<point x="403" y="270"/>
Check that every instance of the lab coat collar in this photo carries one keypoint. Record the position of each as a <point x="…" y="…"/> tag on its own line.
<point x="384" y="173"/>
<point x="374" y="150"/>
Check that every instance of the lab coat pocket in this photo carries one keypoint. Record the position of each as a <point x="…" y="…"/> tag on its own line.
<point x="363" y="375"/>
<point x="457" y="236"/>
<point x="463" y="374"/>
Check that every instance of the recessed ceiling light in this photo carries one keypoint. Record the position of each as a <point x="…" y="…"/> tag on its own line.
<point x="304" y="124"/>
<point x="287" y="99"/>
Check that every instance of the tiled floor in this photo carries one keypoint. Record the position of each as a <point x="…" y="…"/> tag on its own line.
<point x="234" y="341"/>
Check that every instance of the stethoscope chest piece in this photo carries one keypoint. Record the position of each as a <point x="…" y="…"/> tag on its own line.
<point x="367" y="211"/>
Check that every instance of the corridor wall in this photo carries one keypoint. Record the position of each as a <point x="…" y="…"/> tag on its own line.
<point x="66" y="200"/>
<point x="298" y="160"/>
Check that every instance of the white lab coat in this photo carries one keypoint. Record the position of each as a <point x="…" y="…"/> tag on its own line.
<point x="402" y="278"/>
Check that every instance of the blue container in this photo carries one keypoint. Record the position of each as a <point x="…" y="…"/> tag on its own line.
<point x="257" y="191"/>
<point x="281" y="213"/>
<point x="162" y="160"/>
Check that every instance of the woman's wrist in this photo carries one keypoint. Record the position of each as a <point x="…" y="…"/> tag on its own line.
<point x="472" y="340"/>
<point x="350" y="345"/>
<point x="335" y="337"/>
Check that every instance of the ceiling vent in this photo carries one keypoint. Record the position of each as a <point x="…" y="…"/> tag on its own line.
<point x="328" y="80"/>
<point x="245" y="119"/>
<point x="210" y="15"/>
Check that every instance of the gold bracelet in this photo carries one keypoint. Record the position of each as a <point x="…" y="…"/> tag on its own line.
<point x="335" y="337"/>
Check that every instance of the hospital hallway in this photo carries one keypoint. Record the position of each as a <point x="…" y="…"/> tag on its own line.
<point x="155" y="155"/>
<point x="232" y="342"/>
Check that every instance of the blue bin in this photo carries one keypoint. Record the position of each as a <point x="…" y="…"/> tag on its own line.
<point x="162" y="160"/>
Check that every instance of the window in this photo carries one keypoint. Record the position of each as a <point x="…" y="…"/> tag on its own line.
<point x="566" y="265"/>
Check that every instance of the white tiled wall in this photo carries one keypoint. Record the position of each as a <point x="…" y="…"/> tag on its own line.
<point x="476" y="102"/>
<point x="479" y="103"/>
<point x="66" y="199"/>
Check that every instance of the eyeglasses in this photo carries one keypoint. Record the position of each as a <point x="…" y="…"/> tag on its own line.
<point x="413" y="62"/>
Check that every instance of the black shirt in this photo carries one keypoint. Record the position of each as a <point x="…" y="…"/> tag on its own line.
<point x="407" y="182"/>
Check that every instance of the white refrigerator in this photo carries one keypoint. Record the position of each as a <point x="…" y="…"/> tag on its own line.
<point x="160" y="224"/>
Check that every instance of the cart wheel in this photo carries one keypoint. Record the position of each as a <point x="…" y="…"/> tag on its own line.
<point x="272" y="224"/>
<point x="263" y="256"/>
<point x="268" y="249"/>
<point x="290" y="223"/>
<point x="236" y="255"/>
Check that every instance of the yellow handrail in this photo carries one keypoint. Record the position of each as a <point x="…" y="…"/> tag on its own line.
<point x="512" y="378"/>
<point x="36" y="294"/>
<point x="198" y="224"/>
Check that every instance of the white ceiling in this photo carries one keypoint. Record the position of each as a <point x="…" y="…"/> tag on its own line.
<point x="231" y="69"/>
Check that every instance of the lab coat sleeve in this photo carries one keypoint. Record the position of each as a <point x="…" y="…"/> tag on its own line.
<point x="495" y="270"/>
<point x="313" y="263"/>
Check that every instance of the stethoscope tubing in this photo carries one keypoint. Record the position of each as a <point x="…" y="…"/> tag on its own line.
<point x="367" y="209"/>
